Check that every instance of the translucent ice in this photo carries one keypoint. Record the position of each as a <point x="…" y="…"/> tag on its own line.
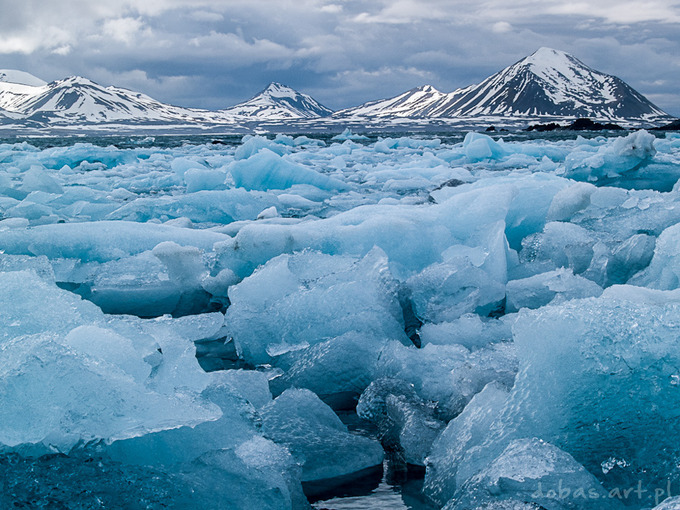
<point x="625" y="154"/>
<point x="257" y="474"/>
<point x="22" y="313"/>
<point x="664" y="269"/>
<point x="445" y="291"/>
<point x="314" y="434"/>
<point x="541" y="289"/>
<point x="101" y="241"/>
<point x="176" y="446"/>
<point x="462" y="433"/>
<point x="412" y="236"/>
<point x="267" y="170"/>
<point x="56" y="397"/>
<point x="251" y="145"/>
<point x="348" y="135"/>
<point x="469" y="330"/>
<point x="72" y="376"/>
<point x="569" y="201"/>
<point x="532" y="470"/>
<point x="198" y="179"/>
<point x="579" y="364"/>
<point x="36" y="179"/>
<point x="406" y="424"/>
<point x="333" y="262"/>
<point x="337" y="370"/>
<point x="448" y="374"/>
<point x="203" y="207"/>
<point x="479" y="147"/>
<point x="669" y="504"/>
<point x="38" y="265"/>
<point x="303" y="299"/>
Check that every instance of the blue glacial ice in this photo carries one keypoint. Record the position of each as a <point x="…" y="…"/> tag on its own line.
<point x="407" y="425"/>
<point x="313" y="433"/>
<point x="190" y="321"/>
<point x="463" y="432"/>
<point x="298" y="300"/>
<point x="533" y="471"/>
<point x="595" y="376"/>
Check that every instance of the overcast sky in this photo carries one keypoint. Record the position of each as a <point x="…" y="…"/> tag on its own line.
<point x="215" y="53"/>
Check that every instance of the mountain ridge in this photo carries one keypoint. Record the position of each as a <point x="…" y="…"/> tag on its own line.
<point x="279" y="102"/>
<point x="548" y="84"/>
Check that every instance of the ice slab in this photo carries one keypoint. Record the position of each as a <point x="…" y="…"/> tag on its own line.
<point x="22" y="313"/>
<point x="267" y="170"/>
<point x="579" y="362"/>
<point x="303" y="299"/>
<point x="465" y="431"/>
<point x="257" y="474"/>
<point x="407" y="425"/>
<point x="174" y="447"/>
<point x="72" y="375"/>
<point x="541" y="289"/>
<point x="337" y="370"/>
<point x="663" y="271"/>
<point x="211" y="207"/>
<point x="449" y="375"/>
<point x="470" y="330"/>
<point x="532" y="470"/>
<point x="625" y="154"/>
<point x="101" y="241"/>
<point x="348" y="135"/>
<point x="314" y="434"/>
<point x="56" y="397"/>
<point x="479" y="147"/>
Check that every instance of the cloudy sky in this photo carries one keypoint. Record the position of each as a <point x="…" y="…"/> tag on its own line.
<point x="215" y="53"/>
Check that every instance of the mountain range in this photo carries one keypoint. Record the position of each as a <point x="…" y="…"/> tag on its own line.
<point x="549" y="84"/>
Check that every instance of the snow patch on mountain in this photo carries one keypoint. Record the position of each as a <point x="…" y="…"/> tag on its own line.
<point x="418" y="102"/>
<point x="279" y="102"/>
<point x="78" y="99"/>
<point x="16" y="87"/>
<point x="548" y="83"/>
<point x="20" y="78"/>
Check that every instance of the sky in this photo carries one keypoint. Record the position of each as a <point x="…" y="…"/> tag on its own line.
<point x="215" y="53"/>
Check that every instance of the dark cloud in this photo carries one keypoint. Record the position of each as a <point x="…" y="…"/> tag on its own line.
<point x="214" y="53"/>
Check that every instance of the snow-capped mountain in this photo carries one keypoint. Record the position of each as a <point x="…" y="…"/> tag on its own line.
<point x="552" y="82"/>
<point x="548" y="83"/>
<point x="77" y="99"/>
<point x="20" y="78"/>
<point x="16" y="86"/>
<point x="420" y="102"/>
<point x="80" y="100"/>
<point x="278" y="102"/>
<point x="4" y="116"/>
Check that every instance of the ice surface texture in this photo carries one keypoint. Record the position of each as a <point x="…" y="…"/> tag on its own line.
<point x="580" y="364"/>
<point x="531" y="470"/>
<point x="406" y="424"/>
<point x="314" y="434"/>
<point x="504" y="312"/>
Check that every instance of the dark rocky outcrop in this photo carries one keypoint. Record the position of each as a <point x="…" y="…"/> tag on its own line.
<point x="673" y="126"/>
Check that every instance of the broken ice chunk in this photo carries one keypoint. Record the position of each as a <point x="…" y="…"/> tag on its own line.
<point x="532" y="470"/>
<point x="314" y="434"/>
<point x="406" y="424"/>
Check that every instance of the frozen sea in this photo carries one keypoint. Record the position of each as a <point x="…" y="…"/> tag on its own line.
<point x="344" y="321"/>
